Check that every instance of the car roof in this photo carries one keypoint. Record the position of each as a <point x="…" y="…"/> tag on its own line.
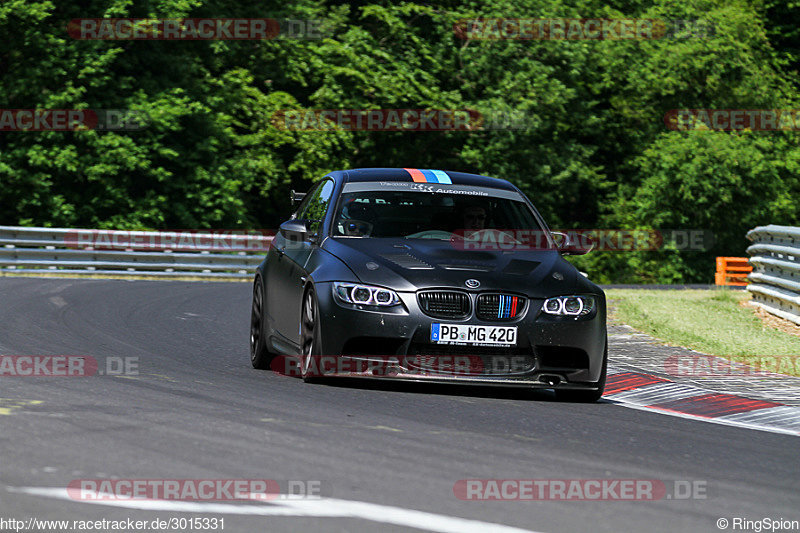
<point x="423" y="176"/>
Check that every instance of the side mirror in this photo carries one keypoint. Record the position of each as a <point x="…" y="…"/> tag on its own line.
<point x="569" y="247"/>
<point x="294" y="230"/>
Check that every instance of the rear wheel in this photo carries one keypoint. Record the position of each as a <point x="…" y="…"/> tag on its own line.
<point x="587" y="396"/>
<point x="260" y="357"/>
<point x="309" y="336"/>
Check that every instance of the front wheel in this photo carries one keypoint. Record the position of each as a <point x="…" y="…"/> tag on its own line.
<point x="259" y="354"/>
<point x="587" y="396"/>
<point x="310" y="336"/>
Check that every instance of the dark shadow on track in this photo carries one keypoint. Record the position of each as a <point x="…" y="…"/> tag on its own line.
<point x="442" y="389"/>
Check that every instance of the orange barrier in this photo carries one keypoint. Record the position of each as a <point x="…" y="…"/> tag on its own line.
<point x="732" y="271"/>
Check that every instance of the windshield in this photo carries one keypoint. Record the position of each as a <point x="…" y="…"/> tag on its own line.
<point x="429" y="215"/>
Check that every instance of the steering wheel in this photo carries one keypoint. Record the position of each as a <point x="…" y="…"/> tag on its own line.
<point x="431" y="234"/>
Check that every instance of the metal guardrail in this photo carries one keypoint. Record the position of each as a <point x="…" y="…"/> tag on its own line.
<point x="212" y="254"/>
<point x="775" y="280"/>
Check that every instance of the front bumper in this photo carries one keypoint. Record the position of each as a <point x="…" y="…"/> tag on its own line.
<point x="551" y="351"/>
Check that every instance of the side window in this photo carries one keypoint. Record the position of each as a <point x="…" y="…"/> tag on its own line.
<point x="303" y="207"/>
<point x="315" y="205"/>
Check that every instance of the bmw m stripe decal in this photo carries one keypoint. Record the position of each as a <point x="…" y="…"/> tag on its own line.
<point x="416" y="175"/>
<point x="508" y="307"/>
<point x="428" y="176"/>
<point x="436" y="176"/>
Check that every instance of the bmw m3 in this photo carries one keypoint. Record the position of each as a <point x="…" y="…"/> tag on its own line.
<point x="428" y="275"/>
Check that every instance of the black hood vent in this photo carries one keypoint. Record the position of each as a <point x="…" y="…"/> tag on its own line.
<point x="407" y="260"/>
<point x="471" y="268"/>
<point x="520" y="267"/>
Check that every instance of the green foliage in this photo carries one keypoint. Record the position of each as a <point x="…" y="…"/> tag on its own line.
<point x="591" y="147"/>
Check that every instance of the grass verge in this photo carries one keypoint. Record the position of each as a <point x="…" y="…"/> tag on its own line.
<point x="709" y="321"/>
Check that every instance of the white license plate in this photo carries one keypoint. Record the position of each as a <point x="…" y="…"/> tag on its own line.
<point x="473" y="335"/>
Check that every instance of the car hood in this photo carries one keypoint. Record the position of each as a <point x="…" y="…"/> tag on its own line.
<point x="411" y="264"/>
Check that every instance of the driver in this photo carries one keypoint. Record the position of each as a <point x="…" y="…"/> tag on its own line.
<point x="354" y="219"/>
<point x="474" y="217"/>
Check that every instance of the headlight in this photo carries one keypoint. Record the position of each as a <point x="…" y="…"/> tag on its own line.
<point x="353" y="293"/>
<point x="569" y="305"/>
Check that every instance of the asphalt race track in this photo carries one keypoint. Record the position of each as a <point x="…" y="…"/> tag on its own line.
<point x="197" y="410"/>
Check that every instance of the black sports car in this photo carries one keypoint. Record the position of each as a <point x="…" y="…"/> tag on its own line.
<point x="427" y="275"/>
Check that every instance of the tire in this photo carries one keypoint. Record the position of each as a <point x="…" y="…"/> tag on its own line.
<point x="260" y="356"/>
<point x="309" y="335"/>
<point x="586" y="396"/>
